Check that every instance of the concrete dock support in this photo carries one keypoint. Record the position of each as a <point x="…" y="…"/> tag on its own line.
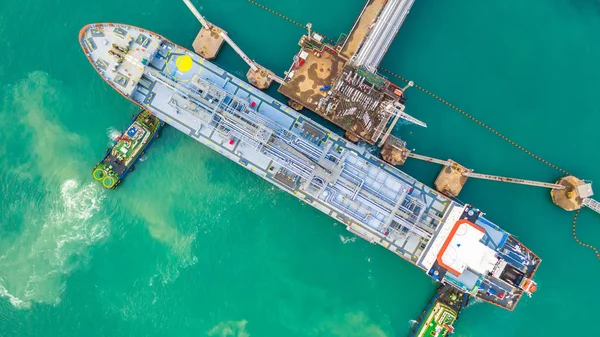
<point x="259" y="78"/>
<point x="351" y="137"/>
<point x="208" y="42"/>
<point x="451" y="179"/>
<point x="394" y="151"/>
<point x="295" y="105"/>
<point x="568" y="199"/>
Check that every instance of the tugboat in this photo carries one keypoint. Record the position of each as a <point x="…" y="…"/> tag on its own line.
<point x="442" y="311"/>
<point x="129" y="147"/>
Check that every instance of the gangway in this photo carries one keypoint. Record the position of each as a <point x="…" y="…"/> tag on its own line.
<point x="462" y="171"/>
<point x="513" y="180"/>
<point x="592" y="204"/>
<point x="429" y="159"/>
<point x="223" y="34"/>
<point x="397" y="110"/>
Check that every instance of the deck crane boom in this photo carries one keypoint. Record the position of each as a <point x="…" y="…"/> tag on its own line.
<point x="253" y="65"/>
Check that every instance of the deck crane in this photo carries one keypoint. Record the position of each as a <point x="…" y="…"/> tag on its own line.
<point x="253" y="65"/>
<point x="397" y="110"/>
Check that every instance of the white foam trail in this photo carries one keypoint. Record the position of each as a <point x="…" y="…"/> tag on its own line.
<point x="230" y="329"/>
<point x="33" y="268"/>
<point x="59" y="215"/>
<point x="346" y="239"/>
<point x="412" y="323"/>
<point x="474" y="301"/>
<point x="112" y="133"/>
<point x="15" y="301"/>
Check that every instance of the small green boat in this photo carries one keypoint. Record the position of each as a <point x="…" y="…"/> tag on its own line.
<point x="438" y="318"/>
<point x="130" y="146"/>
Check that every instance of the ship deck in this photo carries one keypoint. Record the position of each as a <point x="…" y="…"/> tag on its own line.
<point x="373" y="199"/>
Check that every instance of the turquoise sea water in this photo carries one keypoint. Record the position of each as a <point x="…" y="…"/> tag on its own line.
<point x="193" y="245"/>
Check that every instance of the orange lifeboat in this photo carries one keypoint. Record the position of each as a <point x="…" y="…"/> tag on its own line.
<point x="529" y="286"/>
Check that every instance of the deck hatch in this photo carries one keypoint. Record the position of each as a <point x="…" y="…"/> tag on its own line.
<point x="121" y="80"/>
<point x="141" y="39"/>
<point x="91" y="44"/>
<point x="120" y="32"/>
<point x="146" y="43"/>
<point x="97" y="32"/>
<point x="101" y="64"/>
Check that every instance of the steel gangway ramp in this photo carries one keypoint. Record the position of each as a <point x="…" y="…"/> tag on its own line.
<point x="592" y="204"/>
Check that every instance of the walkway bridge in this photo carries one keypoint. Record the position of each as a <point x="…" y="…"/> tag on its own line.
<point x="381" y="34"/>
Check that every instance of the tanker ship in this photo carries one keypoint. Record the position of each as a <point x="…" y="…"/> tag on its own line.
<point x="451" y="242"/>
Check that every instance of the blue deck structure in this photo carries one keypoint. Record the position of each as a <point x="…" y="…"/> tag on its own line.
<point x="450" y="241"/>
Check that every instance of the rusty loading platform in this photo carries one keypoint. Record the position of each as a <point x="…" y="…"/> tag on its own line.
<point x="208" y="42"/>
<point x="339" y="81"/>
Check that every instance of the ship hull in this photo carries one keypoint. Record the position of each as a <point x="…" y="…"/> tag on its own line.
<point x="372" y="199"/>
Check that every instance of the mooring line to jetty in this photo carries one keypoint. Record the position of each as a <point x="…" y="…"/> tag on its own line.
<point x="478" y="122"/>
<point x="277" y="13"/>
<point x="579" y="241"/>
<point x="422" y="89"/>
<point x="286" y="18"/>
<point x="565" y="172"/>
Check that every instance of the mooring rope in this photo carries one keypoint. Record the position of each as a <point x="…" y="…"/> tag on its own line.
<point x="577" y="238"/>
<point x="422" y="89"/>
<point x="286" y="18"/>
<point x="565" y="172"/>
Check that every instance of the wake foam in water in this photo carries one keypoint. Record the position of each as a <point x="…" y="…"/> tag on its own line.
<point x="51" y="245"/>
<point x="351" y="324"/>
<point x="54" y="217"/>
<point x="229" y="329"/>
<point x="112" y="133"/>
<point x="346" y="239"/>
<point x="474" y="301"/>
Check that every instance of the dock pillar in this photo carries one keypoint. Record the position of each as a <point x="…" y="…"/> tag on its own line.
<point x="208" y="42"/>
<point x="394" y="151"/>
<point x="570" y="198"/>
<point x="259" y="78"/>
<point x="295" y="105"/>
<point x="451" y="179"/>
<point x="351" y="137"/>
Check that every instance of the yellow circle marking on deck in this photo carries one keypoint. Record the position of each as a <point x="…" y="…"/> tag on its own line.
<point x="184" y="63"/>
